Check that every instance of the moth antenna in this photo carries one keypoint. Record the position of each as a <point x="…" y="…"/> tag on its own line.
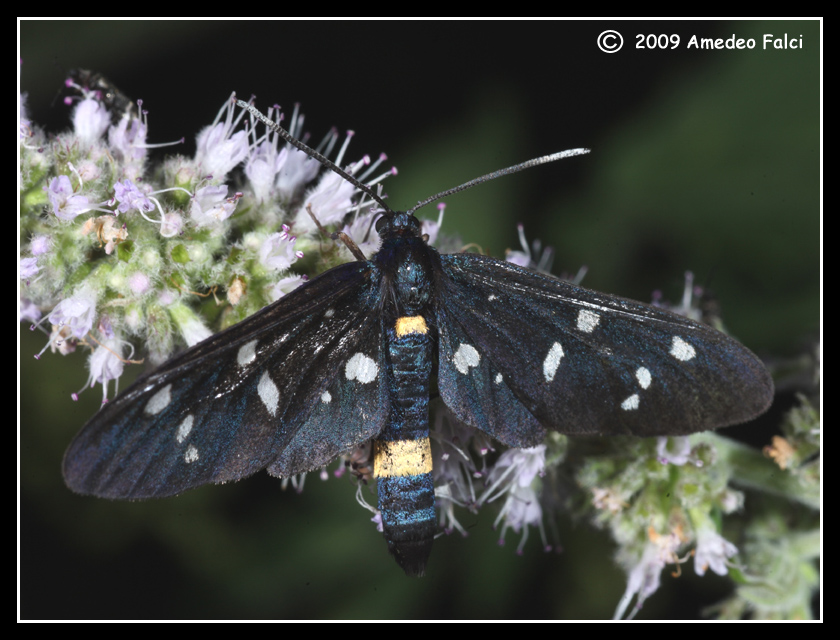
<point x="288" y="137"/>
<point x="568" y="153"/>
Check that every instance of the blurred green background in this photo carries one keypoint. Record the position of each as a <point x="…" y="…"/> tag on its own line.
<point x="701" y="160"/>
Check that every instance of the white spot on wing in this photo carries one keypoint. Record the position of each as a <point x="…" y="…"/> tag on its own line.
<point x="643" y="376"/>
<point x="587" y="320"/>
<point x="499" y="378"/>
<point x="326" y="397"/>
<point x="247" y="353"/>
<point x="631" y="403"/>
<point x="552" y="361"/>
<point x="362" y="368"/>
<point x="491" y="297"/>
<point x="159" y="401"/>
<point x="329" y="313"/>
<point x="681" y="350"/>
<point x="465" y="357"/>
<point x="191" y="455"/>
<point x="269" y="394"/>
<point x="184" y="428"/>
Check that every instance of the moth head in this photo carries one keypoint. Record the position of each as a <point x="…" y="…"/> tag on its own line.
<point x="397" y="224"/>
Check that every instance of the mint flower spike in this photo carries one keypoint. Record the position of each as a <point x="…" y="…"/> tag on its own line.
<point x="141" y="293"/>
<point x="137" y="296"/>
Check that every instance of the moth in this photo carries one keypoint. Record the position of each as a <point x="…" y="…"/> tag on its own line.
<point x="354" y="355"/>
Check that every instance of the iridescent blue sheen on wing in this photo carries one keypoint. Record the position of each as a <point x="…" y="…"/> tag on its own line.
<point x="244" y="399"/>
<point x="540" y="351"/>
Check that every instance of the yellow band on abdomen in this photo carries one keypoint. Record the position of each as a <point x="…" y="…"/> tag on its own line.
<point x="411" y="324"/>
<point x="401" y="458"/>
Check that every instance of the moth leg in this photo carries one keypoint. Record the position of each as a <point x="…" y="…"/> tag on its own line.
<point x="338" y="235"/>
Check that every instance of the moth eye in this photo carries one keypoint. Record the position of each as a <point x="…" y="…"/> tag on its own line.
<point x="380" y="224"/>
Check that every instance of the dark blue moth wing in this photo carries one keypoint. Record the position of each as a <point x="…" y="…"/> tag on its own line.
<point x="579" y="361"/>
<point x="289" y="388"/>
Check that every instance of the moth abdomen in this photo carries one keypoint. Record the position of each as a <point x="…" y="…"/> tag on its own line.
<point x="402" y="452"/>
